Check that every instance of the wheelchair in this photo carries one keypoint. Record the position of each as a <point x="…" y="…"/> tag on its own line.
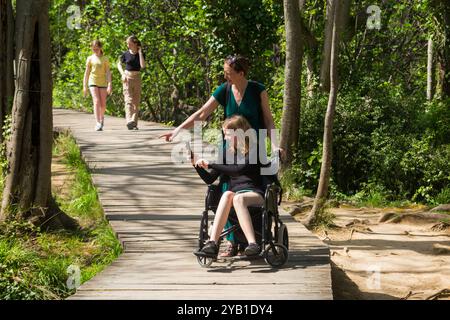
<point x="270" y="232"/>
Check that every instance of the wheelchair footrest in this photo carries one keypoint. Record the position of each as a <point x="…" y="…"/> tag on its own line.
<point x="199" y="253"/>
<point x="242" y="257"/>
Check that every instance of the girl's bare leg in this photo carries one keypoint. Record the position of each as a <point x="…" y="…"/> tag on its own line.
<point x="103" y="95"/>
<point x="241" y="202"/>
<point x="223" y="210"/>
<point x="96" y="99"/>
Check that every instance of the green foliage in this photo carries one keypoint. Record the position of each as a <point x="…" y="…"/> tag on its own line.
<point x="3" y="160"/>
<point x="443" y="197"/>
<point x="371" y="195"/>
<point x="34" y="264"/>
<point x="185" y="43"/>
<point x="390" y="144"/>
<point x="83" y="193"/>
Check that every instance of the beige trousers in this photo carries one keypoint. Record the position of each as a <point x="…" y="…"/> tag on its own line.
<point x="132" y="94"/>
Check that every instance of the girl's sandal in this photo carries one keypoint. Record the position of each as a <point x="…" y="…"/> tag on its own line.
<point x="230" y="250"/>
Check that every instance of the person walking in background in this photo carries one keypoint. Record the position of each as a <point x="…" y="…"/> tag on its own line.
<point x="134" y="61"/>
<point x="98" y="77"/>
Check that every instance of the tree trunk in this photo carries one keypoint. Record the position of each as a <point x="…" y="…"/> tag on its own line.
<point x="445" y="53"/>
<point x="27" y="192"/>
<point x="10" y="54"/>
<point x="441" y="10"/>
<point x="325" y="170"/>
<point x="343" y="17"/>
<point x="311" y="45"/>
<point x="326" y="53"/>
<point x="6" y="61"/>
<point x="430" y="70"/>
<point x="290" y="121"/>
<point x="3" y="99"/>
<point x="309" y="76"/>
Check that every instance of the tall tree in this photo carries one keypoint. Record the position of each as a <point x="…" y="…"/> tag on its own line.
<point x="6" y="60"/>
<point x="311" y="46"/>
<point x="27" y="190"/>
<point x="430" y="70"/>
<point x="342" y="15"/>
<point x="443" y="16"/>
<point x="325" y="170"/>
<point x="290" y="121"/>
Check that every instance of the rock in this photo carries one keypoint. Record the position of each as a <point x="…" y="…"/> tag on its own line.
<point x="387" y="216"/>
<point x="440" y="226"/>
<point x="352" y="223"/>
<point x="442" y="207"/>
<point x="299" y="208"/>
<point x="441" y="249"/>
<point x="357" y="221"/>
<point x="308" y="199"/>
<point x="413" y="218"/>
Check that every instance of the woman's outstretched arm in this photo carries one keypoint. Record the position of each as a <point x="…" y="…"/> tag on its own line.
<point x="200" y="115"/>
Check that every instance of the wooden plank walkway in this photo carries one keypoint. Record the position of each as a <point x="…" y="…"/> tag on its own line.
<point x="155" y="207"/>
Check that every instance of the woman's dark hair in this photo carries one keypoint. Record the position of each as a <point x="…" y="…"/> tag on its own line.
<point x="134" y="39"/>
<point x="238" y="63"/>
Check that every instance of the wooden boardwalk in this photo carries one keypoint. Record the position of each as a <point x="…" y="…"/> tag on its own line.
<point x="155" y="207"/>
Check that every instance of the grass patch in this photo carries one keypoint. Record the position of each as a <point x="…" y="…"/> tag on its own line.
<point x="443" y="197"/>
<point x="34" y="264"/>
<point x="324" y="219"/>
<point x="372" y="195"/>
<point x="291" y="190"/>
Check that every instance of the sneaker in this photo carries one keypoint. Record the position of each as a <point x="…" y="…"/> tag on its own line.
<point x="131" y="125"/>
<point x="230" y="251"/>
<point x="252" y="249"/>
<point x="210" y="248"/>
<point x="241" y="249"/>
<point x="98" y="127"/>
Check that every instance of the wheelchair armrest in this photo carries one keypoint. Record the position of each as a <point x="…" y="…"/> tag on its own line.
<point x="273" y="196"/>
<point x="212" y="198"/>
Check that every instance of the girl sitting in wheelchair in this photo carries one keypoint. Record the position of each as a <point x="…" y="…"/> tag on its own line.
<point x="245" y="185"/>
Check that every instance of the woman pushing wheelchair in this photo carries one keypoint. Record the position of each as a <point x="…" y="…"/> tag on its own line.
<point x="237" y="96"/>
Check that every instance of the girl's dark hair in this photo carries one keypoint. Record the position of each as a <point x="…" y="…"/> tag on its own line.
<point x="134" y="39"/>
<point x="239" y="63"/>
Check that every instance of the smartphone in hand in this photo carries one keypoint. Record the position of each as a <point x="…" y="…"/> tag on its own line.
<point x="188" y="147"/>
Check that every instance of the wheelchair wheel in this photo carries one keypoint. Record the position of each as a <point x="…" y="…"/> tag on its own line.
<point x="283" y="236"/>
<point x="276" y="254"/>
<point x="204" y="262"/>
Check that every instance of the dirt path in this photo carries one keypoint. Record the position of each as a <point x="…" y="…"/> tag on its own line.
<point x="373" y="260"/>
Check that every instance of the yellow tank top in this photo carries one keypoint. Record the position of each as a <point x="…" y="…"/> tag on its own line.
<point x="98" y="66"/>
